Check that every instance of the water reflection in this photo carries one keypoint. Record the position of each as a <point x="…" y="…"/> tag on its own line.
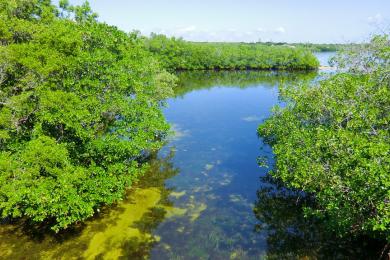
<point x="200" y="80"/>
<point x="122" y="230"/>
<point x="215" y="116"/>
<point x="292" y="235"/>
<point x="207" y="210"/>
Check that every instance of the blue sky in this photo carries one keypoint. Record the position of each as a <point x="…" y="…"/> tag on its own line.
<point x="316" y="21"/>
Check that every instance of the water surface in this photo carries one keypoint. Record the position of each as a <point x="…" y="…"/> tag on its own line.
<point x="204" y="197"/>
<point x="324" y="57"/>
<point x="235" y="211"/>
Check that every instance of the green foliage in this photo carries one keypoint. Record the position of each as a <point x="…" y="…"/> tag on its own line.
<point x="315" y="47"/>
<point x="332" y="140"/>
<point x="293" y="235"/>
<point x="79" y="111"/>
<point x="323" y="47"/>
<point x="177" y="54"/>
<point x="192" y="80"/>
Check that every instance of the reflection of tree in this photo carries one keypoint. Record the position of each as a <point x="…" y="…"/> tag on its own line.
<point x="193" y="80"/>
<point x="291" y="234"/>
<point x="160" y="170"/>
<point x="18" y="237"/>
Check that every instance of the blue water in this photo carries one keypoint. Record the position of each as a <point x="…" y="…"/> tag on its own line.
<point x="233" y="212"/>
<point x="214" y="201"/>
<point x="216" y="150"/>
<point x="324" y="57"/>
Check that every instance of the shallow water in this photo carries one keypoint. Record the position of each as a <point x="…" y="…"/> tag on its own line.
<point x="240" y="214"/>
<point x="204" y="197"/>
<point x="324" y="57"/>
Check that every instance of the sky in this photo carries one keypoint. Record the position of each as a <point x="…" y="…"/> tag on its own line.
<point x="330" y="21"/>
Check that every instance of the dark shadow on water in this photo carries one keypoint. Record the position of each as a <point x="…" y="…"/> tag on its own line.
<point x="23" y="238"/>
<point x="38" y="232"/>
<point x="291" y="235"/>
<point x="136" y="249"/>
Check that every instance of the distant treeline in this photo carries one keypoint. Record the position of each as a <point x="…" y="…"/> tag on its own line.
<point x="322" y="47"/>
<point x="177" y="54"/>
<point x="314" y="47"/>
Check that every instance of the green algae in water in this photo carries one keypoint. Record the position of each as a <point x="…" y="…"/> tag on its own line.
<point x="120" y="230"/>
<point x="175" y="212"/>
<point x="178" y="133"/>
<point x="196" y="210"/>
<point x="103" y="237"/>
<point x="208" y="167"/>
<point x="211" y="216"/>
<point x="178" y="194"/>
<point x="221" y="177"/>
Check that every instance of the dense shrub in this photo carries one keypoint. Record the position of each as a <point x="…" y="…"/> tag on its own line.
<point x="332" y="141"/>
<point x="79" y="110"/>
<point x="177" y="54"/>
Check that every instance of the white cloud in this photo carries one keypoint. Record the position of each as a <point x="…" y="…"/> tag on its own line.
<point x="193" y="33"/>
<point x="280" y="30"/>
<point x="190" y="28"/>
<point x="376" y="19"/>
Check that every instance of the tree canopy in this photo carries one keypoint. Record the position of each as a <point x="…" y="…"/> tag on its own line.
<point x="177" y="54"/>
<point x="331" y="140"/>
<point x="79" y="111"/>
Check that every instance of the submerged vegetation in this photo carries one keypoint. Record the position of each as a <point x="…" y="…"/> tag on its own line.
<point x="177" y="54"/>
<point x="81" y="124"/>
<point x="292" y="235"/>
<point x="80" y="105"/>
<point x="332" y="141"/>
<point x="121" y="230"/>
<point x="79" y="112"/>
